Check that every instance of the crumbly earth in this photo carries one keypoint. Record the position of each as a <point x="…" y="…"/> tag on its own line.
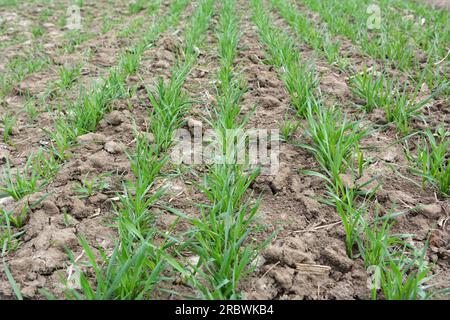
<point x="306" y="259"/>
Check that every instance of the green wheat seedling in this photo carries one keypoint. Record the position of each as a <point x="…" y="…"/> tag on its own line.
<point x="404" y="276"/>
<point x="129" y="62"/>
<point x="37" y="31"/>
<point x="135" y="225"/>
<point x="351" y="214"/>
<point x="170" y="104"/>
<point x="403" y="107"/>
<point x="288" y="129"/>
<point x="176" y="9"/>
<point x="221" y="234"/>
<point x="399" y="51"/>
<point x="22" y="66"/>
<point x="352" y="205"/>
<point x="31" y="110"/>
<point x="90" y="108"/>
<point x="227" y="107"/>
<point x="168" y="100"/>
<point x="10" y="277"/>
<point x="401" y="268"/>
<point x="62" y="138"/>
<point x="376" y="239"/>
<point x="135" y="217"/>
<point x="116" y="83"/>
<point x="231" y="86"/>
<point x="144" y="161"/>
<point x="331" y="48"/>
<point x="17" y="216"/>
<point x="333" y="137"/>
<point x="9" y="237"/>
<point x="107" y="24"/>
<point x="8" y="122"/>
<point x="227" y="178"/>
<point x="88" y="187"/>
<point x="8" y="3"/>
<point x="17" y="184"/>
<point x="87" y="113"/>
<point x="434" y="78"/>
<point x="301" y="83"/>
<point x="73" y="39"/>
<point x="45" y="164"/>
<point x="360" y="161"/>
<point x="430" y="37"/>
<point x="137" y="6"/>
<point x="45" y="14"/>
<point x="228" y="143"/>
<point x="68" y="75"/>
<point x="153" y="7"/>
<point x="135" y="267"/>
<point x="3" y="27"/>
<point x="406" y="281"/>
<point x="432" y="160"/>
<point x="132" y="28"/>
<point x="6" y="85"/>
<point x="370" y="87"/>
<point x="129" y="273"/>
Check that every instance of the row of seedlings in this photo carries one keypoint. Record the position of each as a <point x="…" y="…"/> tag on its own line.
<point x="400" y="268"/>
<point x="222" y="234"/>
<point x="141" y="258"/>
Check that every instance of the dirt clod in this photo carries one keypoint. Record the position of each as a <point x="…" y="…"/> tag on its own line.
<point x="432" y="210"/>
<point x="114" y="147"/>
